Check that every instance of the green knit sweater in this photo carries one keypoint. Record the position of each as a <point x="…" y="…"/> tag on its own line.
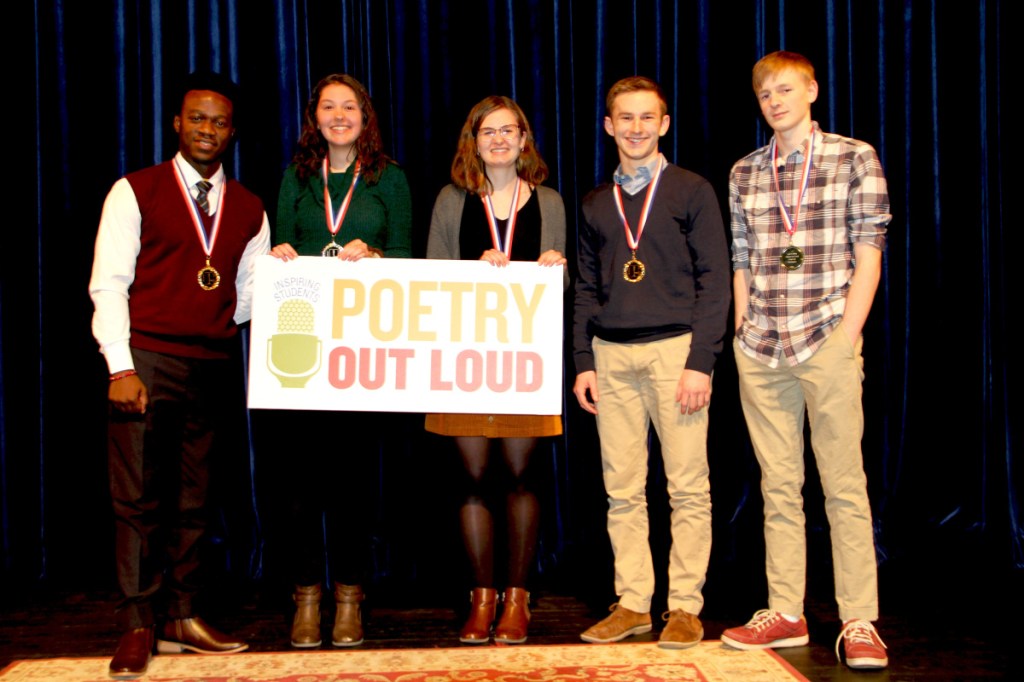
<point x="379" y="214"/>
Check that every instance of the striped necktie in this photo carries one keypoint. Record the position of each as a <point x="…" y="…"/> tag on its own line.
<point x="203" y="188"/>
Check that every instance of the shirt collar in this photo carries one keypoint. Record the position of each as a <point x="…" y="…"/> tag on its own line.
<point x="799" y="151"/>
<point x="634" y="183"/>
<point x="192" y="176"/>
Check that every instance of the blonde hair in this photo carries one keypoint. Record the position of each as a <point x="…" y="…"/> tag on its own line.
<point x="775" y="63"/>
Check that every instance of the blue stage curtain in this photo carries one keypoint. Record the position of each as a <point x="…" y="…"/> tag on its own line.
<point x="920" y="80"/>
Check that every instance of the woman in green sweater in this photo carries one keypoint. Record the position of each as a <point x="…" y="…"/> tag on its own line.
<point x="340" y="146"/>
<point x="342" y="197"/>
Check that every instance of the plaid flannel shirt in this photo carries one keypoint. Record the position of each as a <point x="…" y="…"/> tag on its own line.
<point x="792" y="312"/>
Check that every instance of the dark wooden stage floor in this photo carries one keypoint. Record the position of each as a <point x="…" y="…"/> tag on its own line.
<point x="926" y="642"/>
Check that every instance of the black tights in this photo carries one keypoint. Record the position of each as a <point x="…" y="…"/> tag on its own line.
<point x="521" y="508"/>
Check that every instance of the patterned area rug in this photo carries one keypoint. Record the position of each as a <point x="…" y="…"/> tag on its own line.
<point x="643" y="662"/>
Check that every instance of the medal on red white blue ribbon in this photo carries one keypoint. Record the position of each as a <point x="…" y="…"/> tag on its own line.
<point x="793" y="256"/>
<point x="500" y="244"/>
<point x="634" y="269"/>
<point x="207" y="277"/>
<point x="334" y="223"/>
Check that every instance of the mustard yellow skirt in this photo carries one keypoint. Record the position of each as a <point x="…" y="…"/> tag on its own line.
<point x="495" y="425"/>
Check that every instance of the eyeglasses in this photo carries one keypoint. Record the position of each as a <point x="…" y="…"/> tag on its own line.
<point x="504" y="131"/>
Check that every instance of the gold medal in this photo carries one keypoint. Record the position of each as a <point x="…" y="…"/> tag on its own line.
<point x="208" y="277"/>
<point x="634" y="270"/>
<point x="792" y="258"/>
<point x="331" y="250"/>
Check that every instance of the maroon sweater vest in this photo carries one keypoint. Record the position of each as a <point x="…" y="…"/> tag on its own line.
<point x="169" y="311"/>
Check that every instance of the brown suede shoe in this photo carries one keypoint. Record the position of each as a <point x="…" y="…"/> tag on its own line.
<point x="483" y="602"/>
<point x="194" y="634"/>
<point x="682" y="630"/>
<point x="621" y="624"/>
<point x="133" y="653"/>
<point x="306" y="624"/>
<point x="515" y="617"/>
<point x="348" y="620"/>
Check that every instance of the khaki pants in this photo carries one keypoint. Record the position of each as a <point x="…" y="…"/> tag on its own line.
<point x="829" y="384"/>
<point x="637" y="385"/>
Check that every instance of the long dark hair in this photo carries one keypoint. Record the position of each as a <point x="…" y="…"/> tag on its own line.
<point x="312" y="147"/>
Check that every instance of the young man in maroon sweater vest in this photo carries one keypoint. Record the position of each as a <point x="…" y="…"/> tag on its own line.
<point x="171" y="279"/>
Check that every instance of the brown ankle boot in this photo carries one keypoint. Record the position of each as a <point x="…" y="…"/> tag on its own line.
<point x="483" y="604"/>
<point x="348" y="622"/>
<point x="306" y="624"/>
<point x="515" y="617"/>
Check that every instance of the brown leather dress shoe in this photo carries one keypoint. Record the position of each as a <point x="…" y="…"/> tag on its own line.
<point x="194" y="634"/>
<point x="133" y="653"/>
<point x="348" y="621"/>
<point x="483" y="602"/>
<point x="515" y="617"/>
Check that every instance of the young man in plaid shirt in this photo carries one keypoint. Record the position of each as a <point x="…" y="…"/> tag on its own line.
<point x="809" y="215"/>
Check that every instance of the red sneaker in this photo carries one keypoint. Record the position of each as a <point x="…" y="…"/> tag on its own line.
<point x="863" y="647"/>
<point x="767" y="630"/>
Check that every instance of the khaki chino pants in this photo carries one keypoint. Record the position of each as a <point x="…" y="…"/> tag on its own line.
<point x="637" y="385"/>
<point x="774" y="400"/>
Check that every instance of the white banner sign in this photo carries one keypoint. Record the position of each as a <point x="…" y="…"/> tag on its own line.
<point x="397" y="335"/>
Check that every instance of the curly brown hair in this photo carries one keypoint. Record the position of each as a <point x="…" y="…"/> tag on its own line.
<point x="468" y="168"/>
<point x="312" y="147"/>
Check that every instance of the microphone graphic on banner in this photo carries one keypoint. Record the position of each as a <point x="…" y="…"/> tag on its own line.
<point x="294" y="353"/>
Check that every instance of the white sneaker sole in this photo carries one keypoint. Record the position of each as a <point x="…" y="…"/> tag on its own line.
<point x="774" y="644"/>
<point x="867" y="663"/>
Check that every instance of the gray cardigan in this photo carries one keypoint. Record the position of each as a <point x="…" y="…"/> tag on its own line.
<point x="443" y="242"/>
